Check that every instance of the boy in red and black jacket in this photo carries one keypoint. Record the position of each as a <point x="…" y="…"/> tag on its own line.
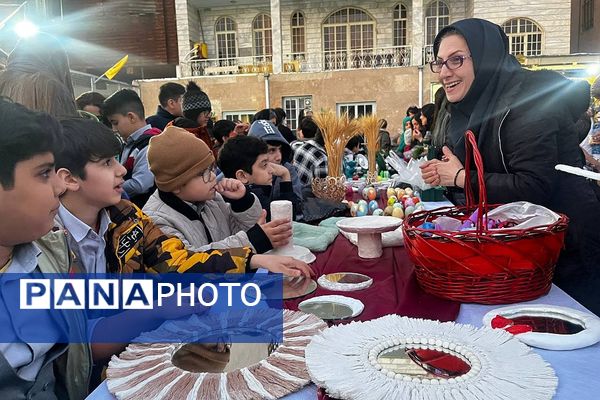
<point x="125" y="111"/>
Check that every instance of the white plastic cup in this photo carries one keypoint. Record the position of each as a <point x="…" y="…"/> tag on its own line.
<point x="283" y="209"/>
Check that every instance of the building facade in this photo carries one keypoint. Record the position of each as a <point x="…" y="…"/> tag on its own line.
<point x="355" y="56"/>
<point x="585" y="26"/>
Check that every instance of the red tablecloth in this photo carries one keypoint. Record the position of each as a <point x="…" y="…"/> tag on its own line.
<point x="394" y="289"/>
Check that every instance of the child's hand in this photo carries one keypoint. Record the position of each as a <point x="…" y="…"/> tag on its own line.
<point x="278" y="231"/>
<point x="281" y="264"/>
<point x="281" y="171"/>
<point x="231" y="188"/>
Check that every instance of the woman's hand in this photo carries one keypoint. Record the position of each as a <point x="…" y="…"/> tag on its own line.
<point x="444" y="173"/>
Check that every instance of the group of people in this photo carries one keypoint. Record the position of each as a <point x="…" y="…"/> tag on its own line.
<point x="198" y="193"/>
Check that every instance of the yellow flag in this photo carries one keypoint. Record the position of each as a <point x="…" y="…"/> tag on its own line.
<point x="114" y="70"/>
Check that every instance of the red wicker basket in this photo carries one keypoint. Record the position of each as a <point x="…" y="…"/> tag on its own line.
<point x="482" y="266"/>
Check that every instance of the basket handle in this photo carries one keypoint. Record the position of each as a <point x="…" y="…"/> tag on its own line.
<point x="472" y="149"/>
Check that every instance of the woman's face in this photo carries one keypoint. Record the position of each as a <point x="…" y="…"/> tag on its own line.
<point x="423" y="120"/>
<point x="456" y="82"/>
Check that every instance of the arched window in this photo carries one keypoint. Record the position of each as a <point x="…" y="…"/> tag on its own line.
<point x="226" y="38"/>
<point x="298" y="36"/>
<point x="524" y="36"/>
<point x="437" y="17"/>
<point x="400" y="25"/>
<point x="348" y="35"/>
<point x="262" y="36"/>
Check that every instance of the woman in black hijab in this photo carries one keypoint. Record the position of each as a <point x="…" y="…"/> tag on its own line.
<point x="524" y="125"/>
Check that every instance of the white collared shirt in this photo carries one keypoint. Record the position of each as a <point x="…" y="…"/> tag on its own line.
<point x="85" y="242"/>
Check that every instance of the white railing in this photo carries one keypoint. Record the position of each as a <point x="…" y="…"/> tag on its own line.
<point x="384" y="57"/>
<point x="428" y="54"/>
<point x="231" y="66"/>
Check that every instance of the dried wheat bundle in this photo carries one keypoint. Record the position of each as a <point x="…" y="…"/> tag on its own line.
<point x="336" y="133"/>
<point x="370" y="126"/>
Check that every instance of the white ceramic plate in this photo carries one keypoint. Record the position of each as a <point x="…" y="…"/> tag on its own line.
<point x="356" y="305"/>
<point x="369" y="224"/>
<point x="298" y="252"/>
<point x="588" y="336"/>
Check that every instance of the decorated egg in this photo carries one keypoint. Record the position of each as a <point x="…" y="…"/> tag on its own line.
<point x="391" y="192"/>
<point x="371" y="193"/>
<point x="362" y="210"/>
<point x="353" y="209"/>
<point x="399" y="192"/>
<point x="409" y="210"/>
<point x="398" y="205"/>
<point x="388" y="210"/>
<point x="409" y="202"/>
<point x="392" y="200"/>
<point x="419" y="206"/>
<point x="373" y="206"/>
<point x="365" y="193"/>
<point x="416" y="200"/>
<point x="397" y="212"/>
<point x="378" y="212"/>
<point x="408" y="191"/>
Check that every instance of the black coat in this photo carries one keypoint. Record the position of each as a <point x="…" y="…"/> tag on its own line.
<point x="532" y="131"/>
<point x="160" y="119"/>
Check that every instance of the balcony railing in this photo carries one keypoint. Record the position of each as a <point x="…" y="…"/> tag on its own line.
<point x="428" y="54"/>
<point x="384" y="57"/>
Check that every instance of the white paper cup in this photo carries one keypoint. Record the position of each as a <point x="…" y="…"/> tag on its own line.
<point x="283" y="209"/>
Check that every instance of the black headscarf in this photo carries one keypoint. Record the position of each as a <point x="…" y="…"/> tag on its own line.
<point x="493" y="66"/>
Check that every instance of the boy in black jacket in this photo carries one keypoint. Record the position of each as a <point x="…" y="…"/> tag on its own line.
<point x="246" y="158"/>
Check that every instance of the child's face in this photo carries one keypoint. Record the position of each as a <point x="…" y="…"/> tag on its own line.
<point x="125" y="125"/>
<point x="407" y="125"/>
<point x="29" y="207"/>
<point x="262" y="172"/>
<point x="274" y="154"/>
<point x="103" y="183"/>
<point x="203" y="118"/>
<point x="199" y="188"/>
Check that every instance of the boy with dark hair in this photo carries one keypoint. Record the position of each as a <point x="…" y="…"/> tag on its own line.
<point x="90" y="102"/>
<point x="29" y="190"/>
<point x="113" y="234"/>
<point x="310" y="158"/>
<point x="202" y="212"/>
<point x="125" y="111"/>
<point x="170" y="97"/>
<point x="280" y="153"/>
<point x="246" y="158"/>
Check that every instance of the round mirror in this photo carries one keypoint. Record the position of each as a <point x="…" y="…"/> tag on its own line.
<point x="222" y="356"/>
<point x="294" y="287"/>
<point x="347" y="277"/>
<point x="327" y="310"/>
<point x="423" y="363"/>
<point x="539" y="323"/>
<point x="345" y="281"/>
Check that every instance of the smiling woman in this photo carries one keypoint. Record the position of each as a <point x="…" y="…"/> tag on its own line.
<point x="524" y="125"/>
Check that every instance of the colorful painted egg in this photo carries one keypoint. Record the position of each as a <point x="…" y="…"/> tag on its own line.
<point x="391" y="192"/>
<point x="398" y="205"/>
<point x="392" y="200"/>
<point x="378" y="212"/>
<point x="362" y="210"/>
<point x="388" y="210"/>
<point x="408" y="191"/>
<point x="416" y="200"/>
<point x="397" y="212"/>
<point x="365" y="193"/>
<point x="399" y="192"/>
<point x="409" y="210"/>
<point x="373" y="205"/>
<point x="371" y="193"/>
<point x="353" y="209"/>
<point x="409" y="202"/>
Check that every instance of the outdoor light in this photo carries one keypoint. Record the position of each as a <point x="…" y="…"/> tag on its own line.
<point x="26" y="29"/>
<point x="593" y="70"/>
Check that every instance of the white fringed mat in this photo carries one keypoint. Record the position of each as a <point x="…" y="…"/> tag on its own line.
<point x="343" y="360"/>
<point x="146" y="371"/>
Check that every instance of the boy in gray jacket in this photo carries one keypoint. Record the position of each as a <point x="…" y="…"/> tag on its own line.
<point x="203" y="213"/>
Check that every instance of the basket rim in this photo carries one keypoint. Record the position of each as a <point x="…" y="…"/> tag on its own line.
<point x="473" y="235"/>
